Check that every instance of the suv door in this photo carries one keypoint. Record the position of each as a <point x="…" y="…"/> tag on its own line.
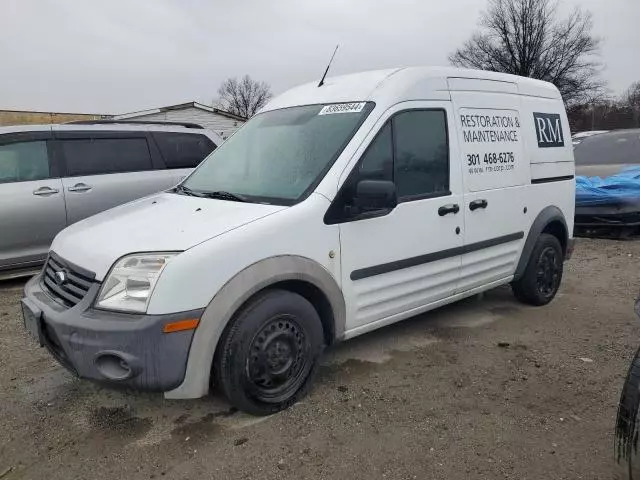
<point x="182" y="152"/>
<point x="106" y="169"/>
<point x="32" y="208"/>
<point x="397" y="263"/>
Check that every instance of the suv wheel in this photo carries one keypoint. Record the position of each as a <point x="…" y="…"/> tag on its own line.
<point x="542" y="277"/>
<point x="269" y="353"/>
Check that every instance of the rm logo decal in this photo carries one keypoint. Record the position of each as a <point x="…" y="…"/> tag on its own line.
<point x="548" y="130"/>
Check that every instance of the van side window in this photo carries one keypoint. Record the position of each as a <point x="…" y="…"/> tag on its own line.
<point x="421" y="153"/>
<point x="377" y="162"/>
<point x="106" y="155"/>
<point x="23" y="162"/>
<point x="183" y="150"/>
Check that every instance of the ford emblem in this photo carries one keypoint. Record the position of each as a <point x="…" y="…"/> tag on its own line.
<point x="61" y="277"/>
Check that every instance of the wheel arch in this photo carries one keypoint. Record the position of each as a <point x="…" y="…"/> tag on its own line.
<point x="298" y="274"/>
<point x="550" y="220"/>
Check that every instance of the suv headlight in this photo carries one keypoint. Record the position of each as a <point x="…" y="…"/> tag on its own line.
<point x="130" y="282"/>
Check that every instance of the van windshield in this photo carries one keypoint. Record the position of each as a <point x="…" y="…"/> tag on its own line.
<point x="279" y="156"/>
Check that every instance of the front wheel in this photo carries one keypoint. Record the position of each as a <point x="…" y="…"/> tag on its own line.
<point x="541" y="279"/>
<point x="269" y="353"/>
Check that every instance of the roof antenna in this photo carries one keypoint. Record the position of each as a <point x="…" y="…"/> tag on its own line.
<point x="327" y="70"/>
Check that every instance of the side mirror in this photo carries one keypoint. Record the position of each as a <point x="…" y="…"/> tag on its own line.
<point x="375" y="196"/>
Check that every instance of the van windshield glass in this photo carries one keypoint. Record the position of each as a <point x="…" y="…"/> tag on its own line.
<point x="280" y="155"/>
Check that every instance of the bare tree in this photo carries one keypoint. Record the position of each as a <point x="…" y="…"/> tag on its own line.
<point x="243" y="97"/>
<point x="526" y="37"/>
<point x="631" y="98"/>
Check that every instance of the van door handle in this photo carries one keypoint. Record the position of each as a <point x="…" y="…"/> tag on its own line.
<point x="45" y="191"/>
<point x="446" y="209"/>
<point x="476" y="204"/>
<point x="79" y="187"/>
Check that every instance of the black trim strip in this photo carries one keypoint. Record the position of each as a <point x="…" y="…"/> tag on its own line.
<point x="551" y="179"/>
<point x="433" y="257"/>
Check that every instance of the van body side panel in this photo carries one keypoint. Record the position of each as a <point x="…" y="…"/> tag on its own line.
<point x="496" y="177"/>
<point x="549" y="148"/>
<point x="546" y="131"/>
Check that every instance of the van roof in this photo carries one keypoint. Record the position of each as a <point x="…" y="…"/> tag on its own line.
<point x="401" y="84"/>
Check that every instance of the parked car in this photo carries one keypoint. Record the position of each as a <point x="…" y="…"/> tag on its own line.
<point x="579" y="136"/>
<point x="51" y="176"/>
<point x="608" y="186"/>
<point x="606" y="153"/>
<point x="627" y="421"/>
<point x="338" y="209"/>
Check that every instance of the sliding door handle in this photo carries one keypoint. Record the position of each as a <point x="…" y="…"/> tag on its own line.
<point x="476" y="204"/>
<point x="447" y="209"/>
<point x="79" y="187"/>
<point x="45" y="191"/>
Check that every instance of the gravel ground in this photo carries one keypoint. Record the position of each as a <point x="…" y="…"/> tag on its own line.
<point x="486" y="388"/>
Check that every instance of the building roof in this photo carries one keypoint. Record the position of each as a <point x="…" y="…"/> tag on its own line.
<point x="9" y="110"/>
<point x="180" y="106"/>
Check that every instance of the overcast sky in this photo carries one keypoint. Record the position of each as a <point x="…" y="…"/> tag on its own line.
<point x="118" y="56"/>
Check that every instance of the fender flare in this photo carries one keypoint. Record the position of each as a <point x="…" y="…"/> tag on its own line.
<point x="233" y="295"/>
<point x="544" y="218"/>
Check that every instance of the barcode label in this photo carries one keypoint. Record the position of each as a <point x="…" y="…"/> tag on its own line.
<point x="342" y="108"/>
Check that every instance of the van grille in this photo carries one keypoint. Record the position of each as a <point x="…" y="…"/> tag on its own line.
<point x="65" y="282"/>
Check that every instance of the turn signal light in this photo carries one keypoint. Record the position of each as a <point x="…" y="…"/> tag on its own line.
<point x="181" y="325"/>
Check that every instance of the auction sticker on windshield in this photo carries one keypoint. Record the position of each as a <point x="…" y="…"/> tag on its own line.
<point x="492" y="151"/>
<point x="342" y="108"/>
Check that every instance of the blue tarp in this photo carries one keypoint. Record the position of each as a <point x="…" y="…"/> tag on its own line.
<point x="624" y="186"/>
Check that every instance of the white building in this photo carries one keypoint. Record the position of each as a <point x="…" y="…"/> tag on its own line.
<point x="221" y="122"/>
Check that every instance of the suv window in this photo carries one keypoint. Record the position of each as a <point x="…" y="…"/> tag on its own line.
<point x="421" y="153"/>
<point x="183" y="150"/>
<point x="24" y="161"/>
<point x="106" y="155"/>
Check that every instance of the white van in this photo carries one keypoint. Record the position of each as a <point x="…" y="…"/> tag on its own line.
<point x="336" y="210"/>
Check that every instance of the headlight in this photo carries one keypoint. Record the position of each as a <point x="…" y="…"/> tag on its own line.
<point x="130" y="282"/>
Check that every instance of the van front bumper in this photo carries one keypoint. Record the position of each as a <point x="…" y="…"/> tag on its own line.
<point x="126" y="349"/>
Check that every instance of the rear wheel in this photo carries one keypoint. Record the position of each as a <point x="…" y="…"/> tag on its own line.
<point x="543" y="274"/>
<point x="268" y="355"/>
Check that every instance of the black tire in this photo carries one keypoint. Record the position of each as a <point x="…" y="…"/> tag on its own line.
<point x="268" y="355"/>
<point x="627" y="422"/>
<point x="543" y="274"/>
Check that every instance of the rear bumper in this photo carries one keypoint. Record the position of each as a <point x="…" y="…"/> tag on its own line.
<point x="129" y="350"/>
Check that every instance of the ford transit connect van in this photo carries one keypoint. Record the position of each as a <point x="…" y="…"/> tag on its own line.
<point x="54" y="175"/>
<point x="338" y="209"/>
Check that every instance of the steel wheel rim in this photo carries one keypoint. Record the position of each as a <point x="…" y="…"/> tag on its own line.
<point x="548" y="272"/>
<point x="277" y="364"/>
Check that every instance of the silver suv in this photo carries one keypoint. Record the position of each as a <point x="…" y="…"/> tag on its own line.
<point x="54" y="175"/>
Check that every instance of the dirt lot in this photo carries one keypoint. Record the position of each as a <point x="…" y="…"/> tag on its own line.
<point x="483" y="389"/>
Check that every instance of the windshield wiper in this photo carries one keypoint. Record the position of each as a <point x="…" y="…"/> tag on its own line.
<point x="222" y="195"/>
<point x="186" y="191"/>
